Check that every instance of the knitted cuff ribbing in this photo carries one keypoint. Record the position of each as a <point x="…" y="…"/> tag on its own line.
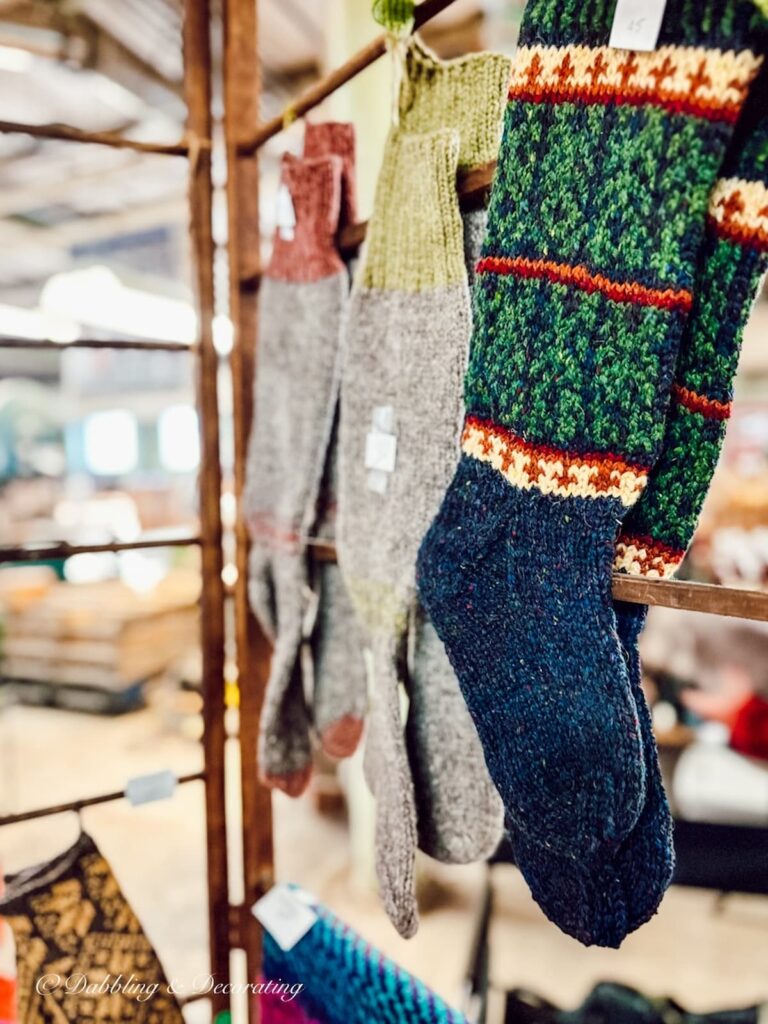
<point x="336" y="138"/>
<point x="466" y="94"/>
<point x="315" y="189"/>
<point x="415" y="238"/>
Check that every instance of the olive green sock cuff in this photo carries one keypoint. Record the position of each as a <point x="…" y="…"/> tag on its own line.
<point x="415" y="236"/>
<point x="467" y="94"/>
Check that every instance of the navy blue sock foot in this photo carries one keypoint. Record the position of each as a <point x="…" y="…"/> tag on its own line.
<point x="518" y="586"/>
<point x="646" y="861"/>
<point x="601" y="903"/>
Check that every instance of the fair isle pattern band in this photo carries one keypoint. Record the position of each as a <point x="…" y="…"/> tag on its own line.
<point x="710" y="84"/>
<point x="549" y="470"/>
<point x="643" y="556"/>
<point x="738" y="210"/>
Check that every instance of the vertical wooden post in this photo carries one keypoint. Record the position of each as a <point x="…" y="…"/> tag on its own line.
<point x="197" y="83"/>
<point x="241" y="115"/>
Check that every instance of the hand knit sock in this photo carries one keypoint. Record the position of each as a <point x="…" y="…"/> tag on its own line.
<point x="459" y="813"/>
<point x="303" y="294"/>
<point x="408" y="336"/>
<point x="657" y="531"/>
<point x="341" y="979"/>
<point x="596" y="217"/>
<point x="410" y="297"/>
<point x="340" y="695"/>
<point x="339" y="687"/>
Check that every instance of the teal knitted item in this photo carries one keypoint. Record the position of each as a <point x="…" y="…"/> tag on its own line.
<point x="344" y="980"/>
<point x="597" y="215"/>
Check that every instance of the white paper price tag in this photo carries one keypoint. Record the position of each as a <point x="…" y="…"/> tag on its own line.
<point x="380" y="451"/>
<point x="145" y="789"/>
<point x="285" y="915"/>
<point x="636" y="24"/>
<point x="383" y="419"/>
<point x="376" y="480"/>
<point x="285" y="216"/>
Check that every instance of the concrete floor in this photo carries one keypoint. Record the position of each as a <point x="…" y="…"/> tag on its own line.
<point x="705" y="956"/>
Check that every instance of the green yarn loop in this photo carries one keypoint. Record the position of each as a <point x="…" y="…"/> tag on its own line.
<point x="394" y="15"/>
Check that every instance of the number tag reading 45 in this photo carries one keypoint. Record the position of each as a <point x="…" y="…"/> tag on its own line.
<point x="636" y="24"/>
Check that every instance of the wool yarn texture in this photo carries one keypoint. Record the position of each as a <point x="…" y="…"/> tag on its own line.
<point x="401" y="410"/>
<point x="343" y="980"/>
<point x="303" y="294"/>
<point x="584" y="287"/>
<point x="627" y="887"/>
<point x="336" y="666"/>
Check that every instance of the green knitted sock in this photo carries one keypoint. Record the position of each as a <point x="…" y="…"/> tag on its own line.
<point x="657" y="530"/>
<point x="596" y="219"/>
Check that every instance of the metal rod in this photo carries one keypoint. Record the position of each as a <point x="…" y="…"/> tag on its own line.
<point x="129" y="343"/>
<point x="242" y="85"/>
<point x="34" y="552"/>
<point x="328" y="85"/>
<point x="197" y="89"/>
<point x="67" y="133"/>
<point x="79" y="805"/>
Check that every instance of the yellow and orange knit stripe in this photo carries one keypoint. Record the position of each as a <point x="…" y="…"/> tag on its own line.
<point x="706" y="83"/>
<point x="644" y="556"/>
<point x="550" y="470"/>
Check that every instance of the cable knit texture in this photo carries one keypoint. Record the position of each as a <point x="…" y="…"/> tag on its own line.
<point x="303" y="294"/>
<point x="584" y="286"/>
<point x="408" y="337"/>
<point x="346" y="981"/>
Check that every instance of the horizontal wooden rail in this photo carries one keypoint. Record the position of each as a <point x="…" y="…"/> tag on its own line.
<point x="97" y="343"/>
<point x="321" y="90"/>
<point x="690" y="597"/>
<point x="67" y="133"/>
<point x="79" y="805"/>
<point x="47" y="551"/>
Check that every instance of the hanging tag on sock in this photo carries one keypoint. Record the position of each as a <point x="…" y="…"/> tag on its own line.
<point x="285" y="216"/>
<point x="637" y="24"/>
<point x="380" y="449"/>
<point x="285" y="915"/>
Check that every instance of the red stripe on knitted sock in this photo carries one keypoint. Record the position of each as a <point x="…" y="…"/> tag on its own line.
<point x="580" y="277"/>
<point x="708" y="407"/>
<point x="644" y="556"/>
<point x="712" y="111"/>
<point x="740" y="234"/>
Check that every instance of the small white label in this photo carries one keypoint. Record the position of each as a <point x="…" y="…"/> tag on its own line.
<point x="380" y="451"/>
<point x="145" y="789"/>
<point x="636" y="24"/>
<point x="383" y="419"/>
<point x="286" y="916"/>
<point x="285" y="216"/>
<point x="377" y="481"/>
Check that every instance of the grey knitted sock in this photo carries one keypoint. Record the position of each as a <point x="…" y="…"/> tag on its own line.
<point x="339" y="687"/>
<point x="408" y="332"/>
<point x="408" y="339"/>
<point x="302" y="298"/>
<point x="340" y="695"/>
<point x="460" y="815"/>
